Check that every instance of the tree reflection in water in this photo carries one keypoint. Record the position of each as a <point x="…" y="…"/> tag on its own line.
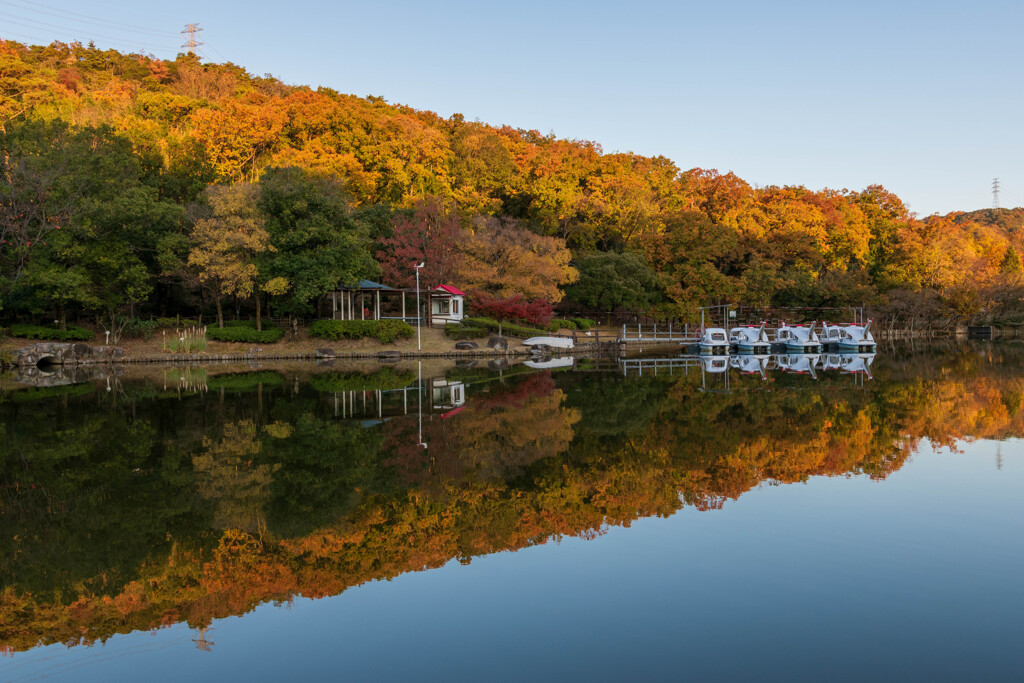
<point x="174" y="505"/>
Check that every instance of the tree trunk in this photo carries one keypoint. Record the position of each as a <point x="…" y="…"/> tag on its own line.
<point x="259" y="319"/>
<point x="220" y="314"/>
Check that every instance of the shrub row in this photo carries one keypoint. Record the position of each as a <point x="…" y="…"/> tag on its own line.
<point x="510" y="329"/>
<point x="250" y="324"/>
<point x="562" y="324"/>
<point x="244" y="334"/>
<point x="384" y="331"/>
<point x="583" y="323"/>
<point x="460" y="331"/>
<point x="73" y="333"/>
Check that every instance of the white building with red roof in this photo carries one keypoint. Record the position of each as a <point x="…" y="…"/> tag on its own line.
<point x="447" y="305"/>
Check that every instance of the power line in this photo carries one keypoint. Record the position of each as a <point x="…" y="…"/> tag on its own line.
<point x="68" y="15"/>
<point x="23" y="36"/>
<point x="218" y="52"/>
<point x="44" y="25"/>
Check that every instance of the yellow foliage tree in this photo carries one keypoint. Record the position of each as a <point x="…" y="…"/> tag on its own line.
<point x="225" y="245"/>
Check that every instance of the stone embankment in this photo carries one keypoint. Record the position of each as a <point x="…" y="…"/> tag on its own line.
<point x="65" y="353"/>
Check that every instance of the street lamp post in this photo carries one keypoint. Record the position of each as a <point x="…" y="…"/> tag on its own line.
<point x="419" y="318"/>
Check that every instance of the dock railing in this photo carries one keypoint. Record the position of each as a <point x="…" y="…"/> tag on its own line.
<point x="667" y="332"/>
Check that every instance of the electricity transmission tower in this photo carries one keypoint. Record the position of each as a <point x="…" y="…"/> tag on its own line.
<point x="995" y="193"/>
<point x="191" y="44"/>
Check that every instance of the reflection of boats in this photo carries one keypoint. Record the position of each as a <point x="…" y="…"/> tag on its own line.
<point x="800" y="363"/>
<point x="715" y="365"/>
<point x="714" y="340"/>
<point x="832" y="361"/>
<point x="553" y="342"/>
<point x="798" y="338"/>
<point x="750" y="339"/>
<point x="856" y="363"/>
<point x="562" y="362"/>
<point x="750" y="364"/>
<point x="849" y="337"/>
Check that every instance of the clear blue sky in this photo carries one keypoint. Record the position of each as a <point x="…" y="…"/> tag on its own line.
<point x="922" y="97"/>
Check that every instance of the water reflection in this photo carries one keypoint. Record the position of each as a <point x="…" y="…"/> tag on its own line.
<point x="191" y="495"/>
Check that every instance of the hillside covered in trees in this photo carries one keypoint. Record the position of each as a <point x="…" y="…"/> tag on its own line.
<point x="133" y="186"/>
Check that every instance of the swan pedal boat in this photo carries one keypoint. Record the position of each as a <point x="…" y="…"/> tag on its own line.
<point x="798" y="338"/>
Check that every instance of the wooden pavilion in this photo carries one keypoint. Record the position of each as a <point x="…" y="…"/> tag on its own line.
<point x="370" y="300"/>
<point x="365" y="301"/>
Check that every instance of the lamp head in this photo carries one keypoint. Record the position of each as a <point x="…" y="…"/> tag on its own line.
<point x="422" y="263"/>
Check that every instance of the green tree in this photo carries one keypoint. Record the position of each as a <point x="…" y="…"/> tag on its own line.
<point x="79" y="221"/>
<point x="609" y="280"/>
<point x="1011" y="261"/>
<point x="317" y="246"/>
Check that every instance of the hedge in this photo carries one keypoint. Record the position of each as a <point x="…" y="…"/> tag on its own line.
<point x="459" y="331"/>
<point x="244" y="334"/>
<point x="384" y="331"/>
<point x="562" y="324"/>
<point x="73" y="333"/>
<point x="583" y="323"/>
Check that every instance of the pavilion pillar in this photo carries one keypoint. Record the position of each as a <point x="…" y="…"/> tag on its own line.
<point x="378" y="304"/>
<point x="362" y="309"/>
<point x="403" y="304"/>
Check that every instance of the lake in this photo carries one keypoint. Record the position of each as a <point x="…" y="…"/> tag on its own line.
<point x="604" y="520"/>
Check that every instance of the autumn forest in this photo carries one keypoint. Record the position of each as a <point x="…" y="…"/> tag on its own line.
<point x="134" y="186"/>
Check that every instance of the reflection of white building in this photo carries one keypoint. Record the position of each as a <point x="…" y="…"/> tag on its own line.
<point x="446" y="395"/>
<point x="447" y="304"/>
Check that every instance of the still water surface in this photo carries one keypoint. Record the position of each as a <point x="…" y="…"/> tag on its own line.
<point x="600" y="522"/>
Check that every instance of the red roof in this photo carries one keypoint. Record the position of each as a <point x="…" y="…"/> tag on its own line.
<point x="450" y="290"/>
<point x="451" y="413"/>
